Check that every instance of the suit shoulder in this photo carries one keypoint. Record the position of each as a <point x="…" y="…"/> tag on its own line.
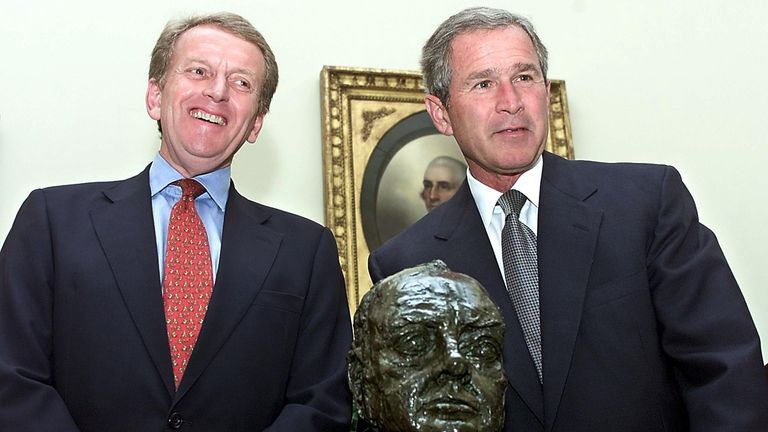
<point x="606" y="174"/>
<point x="77" y="194"/>
<point x="415" y="240"/>
<point x="624" y="168"/>
<point x="284" y="220"/>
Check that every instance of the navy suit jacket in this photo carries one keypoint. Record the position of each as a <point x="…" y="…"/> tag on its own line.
<point x="83" y="344"/>
<point x="643" y="325"/>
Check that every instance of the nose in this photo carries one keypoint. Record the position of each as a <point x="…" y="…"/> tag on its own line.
<point x="433" y="194"/>
<point x="217" y="89"/>
<point x="455" y="365"/>
<point x="508" y="99"/>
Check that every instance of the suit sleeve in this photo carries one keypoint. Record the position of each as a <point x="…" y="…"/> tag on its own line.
<point x="318" y="397"/>
<point x="28" y="399"/>
<point x="705" y="326"/>
<point x="374" y="269"/>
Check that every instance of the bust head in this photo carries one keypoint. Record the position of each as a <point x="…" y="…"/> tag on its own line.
<point x="427" y="354"/>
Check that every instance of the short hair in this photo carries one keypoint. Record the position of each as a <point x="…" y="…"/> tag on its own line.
<point x="400" y="281"/>
<point x="436" y="54"/>
<point x="229" y="22"/>
<point x="457" y="167"/>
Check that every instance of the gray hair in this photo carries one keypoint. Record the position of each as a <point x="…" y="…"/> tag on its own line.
<point x="457" y="167"/>
<point x="436" y="54"/>
<point x="229" y="22"/>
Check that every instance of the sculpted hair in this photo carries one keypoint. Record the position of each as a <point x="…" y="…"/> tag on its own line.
<point x="229" y="22"/>
<point x="436" y="54"/>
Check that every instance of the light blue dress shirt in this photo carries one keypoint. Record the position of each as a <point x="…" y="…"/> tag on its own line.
<point x="210" y="205"/>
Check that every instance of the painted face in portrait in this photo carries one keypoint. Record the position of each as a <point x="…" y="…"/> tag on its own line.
<point x="498" y="104"/>
<point x="442" y="179"/>
<point x="208" y="105"/>
<point x="431" y="360"/>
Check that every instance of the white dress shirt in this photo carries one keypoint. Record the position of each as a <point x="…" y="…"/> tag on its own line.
<point x="486" y="199"/>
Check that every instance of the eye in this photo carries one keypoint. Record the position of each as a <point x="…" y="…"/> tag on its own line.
<point x="484" y="84"/>
<point x="484" y="350"/>
<point x="414" y="342"/>
<point x="242" y="83"/>
<point x="197" y="71"/>
<point x="526" y="80"/>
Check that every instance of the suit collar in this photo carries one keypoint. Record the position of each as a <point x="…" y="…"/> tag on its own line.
<point x="568" y="231"/>
<point x="461" y="227"/>
<point x="124" y="226"/>
<point x="248" y="250"/>
<point x="125" y="229"/>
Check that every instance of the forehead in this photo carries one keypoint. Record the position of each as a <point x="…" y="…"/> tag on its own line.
<point x="500" y="48"/>
<point x="214" y="44"/>
<point x="438" y="172"/>
<point x="436" y="298"/>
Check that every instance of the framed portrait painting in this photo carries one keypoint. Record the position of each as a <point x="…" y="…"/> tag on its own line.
<point x="380" y="151"/>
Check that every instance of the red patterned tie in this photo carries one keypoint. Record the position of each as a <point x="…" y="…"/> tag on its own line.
<point x="188" y="276"/>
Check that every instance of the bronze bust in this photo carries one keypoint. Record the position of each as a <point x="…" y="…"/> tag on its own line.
<point x="427" y="354"/>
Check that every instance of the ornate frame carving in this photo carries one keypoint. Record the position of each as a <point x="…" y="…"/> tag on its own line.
<point x="359" y="107"/>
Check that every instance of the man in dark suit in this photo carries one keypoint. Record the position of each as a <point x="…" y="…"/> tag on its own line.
<point x="106" y="288"/>
<point x="631" y="319"/>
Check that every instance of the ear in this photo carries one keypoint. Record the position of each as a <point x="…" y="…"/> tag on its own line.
<point x="549" y="93"/>
<point x="153" y="99"/>
<point x="355" y="376"/>
<point x="439" y="114"/>
<point x="258" y="122"/>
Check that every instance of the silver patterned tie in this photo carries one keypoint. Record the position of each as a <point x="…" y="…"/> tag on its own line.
<point x="518" y="245"/>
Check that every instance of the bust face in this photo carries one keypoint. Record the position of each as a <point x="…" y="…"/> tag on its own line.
<point x="434" y="357"/>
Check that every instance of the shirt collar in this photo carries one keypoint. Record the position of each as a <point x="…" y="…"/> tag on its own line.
<point x="529" y="183"/>
<point x="216" y="183"/>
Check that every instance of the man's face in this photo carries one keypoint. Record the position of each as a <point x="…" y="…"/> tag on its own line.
<point x="498" y="104"/>
<point x="208" y="105"/>
<point x="440" y="184"/>
<point x="437" y="360"/>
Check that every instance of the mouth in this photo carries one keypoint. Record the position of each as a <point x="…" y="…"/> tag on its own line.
<point x="450" y="408"/>
<point x="512" y="130"/>
<point x="210" y="118"/>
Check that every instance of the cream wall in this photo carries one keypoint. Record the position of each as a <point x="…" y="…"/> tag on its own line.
<point x="679" y="83"/>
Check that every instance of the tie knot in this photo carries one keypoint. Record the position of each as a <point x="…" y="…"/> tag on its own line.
<point x="512" y="202"/>
<point x="190" y="188"/>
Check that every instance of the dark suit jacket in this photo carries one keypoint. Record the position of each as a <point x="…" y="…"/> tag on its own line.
<point x="643" y="325"/>
<point x="83" y="344"/>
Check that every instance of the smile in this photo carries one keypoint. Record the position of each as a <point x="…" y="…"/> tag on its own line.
<point x="212" y="118"/>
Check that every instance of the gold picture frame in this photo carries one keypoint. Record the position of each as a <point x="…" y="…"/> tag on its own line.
<point x="368" y="116"/>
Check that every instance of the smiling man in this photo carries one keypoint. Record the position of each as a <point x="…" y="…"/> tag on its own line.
<point x="622" y="313"/>
<point x="168" y="300"/>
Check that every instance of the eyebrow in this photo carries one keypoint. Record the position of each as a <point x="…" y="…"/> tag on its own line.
<point x="489" y="72"/>
<point x="248" y="72"/>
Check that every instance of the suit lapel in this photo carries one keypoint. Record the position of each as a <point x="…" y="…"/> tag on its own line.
<point x="568" y="231"/>
<point x="125" y="229"/>
<point x="248" y="250"/>
<point x="469" y="251"/>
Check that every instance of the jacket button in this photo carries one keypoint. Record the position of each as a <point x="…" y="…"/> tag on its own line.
<point x="175" y="421"/>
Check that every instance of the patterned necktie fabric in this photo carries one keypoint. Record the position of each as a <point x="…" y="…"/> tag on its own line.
<point x="518" y="245"/>
<point x="188" y="278"/>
